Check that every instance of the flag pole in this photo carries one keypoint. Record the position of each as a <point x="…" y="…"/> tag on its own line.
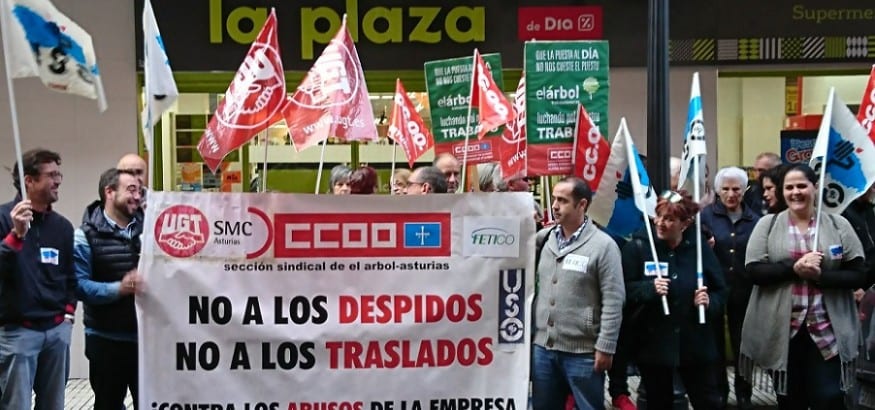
<point x="321" y="164"/>
<point x="13" y="109"/>
<point x="468" y="120"/>
<point x="659" y="272"/>
<point x="264" y="165"/>
<point x="392" y="175"/>
<point x="574" y="143"/>
<point x="827" y="119"/>
<point x="545" y="186"/>
<point x="700" y="282"/>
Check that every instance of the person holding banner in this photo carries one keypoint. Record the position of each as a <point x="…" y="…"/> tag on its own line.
<point x="37" y="288"/>
<point x="731" y="221"/>
<point x="105" y="254"/>
<point x="801" y="324"/>
<point x="676" y="342"/>
<point x="578" y="306"/>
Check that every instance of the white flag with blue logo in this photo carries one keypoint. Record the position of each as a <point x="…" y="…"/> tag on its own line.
<point x="624" y="192"/>
<point x="849" y="155"/>
<point x="45" y="43"/>
<point x="159" y="86"/>
<point x="694" y="143"/>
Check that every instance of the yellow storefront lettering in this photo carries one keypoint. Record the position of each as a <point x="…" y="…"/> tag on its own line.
<point x="255" y="15"/>
<point x="393" y="33"/>
<point x="475" y="15"/>
<point x="426" y="17"/>
<point x="394" y="18"/>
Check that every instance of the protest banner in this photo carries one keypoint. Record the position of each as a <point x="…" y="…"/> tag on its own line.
<point x="559" y="75"/>
<point x="279" y="301"/>
<point x="448" y="83"/>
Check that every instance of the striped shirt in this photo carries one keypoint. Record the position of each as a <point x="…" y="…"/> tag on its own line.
<point x="807" y="300"/>
<point x="565" y="242"/>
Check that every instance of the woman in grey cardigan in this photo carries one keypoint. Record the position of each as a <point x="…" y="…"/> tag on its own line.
<point x="801" y="323"/>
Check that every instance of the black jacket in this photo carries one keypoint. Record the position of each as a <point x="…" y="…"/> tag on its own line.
<point x="730" y="243"/>
<point x="676" y="339"/>
<point x="112" y="256"/>
<point x="37" y="280"/>
<point x="861" y="215"/>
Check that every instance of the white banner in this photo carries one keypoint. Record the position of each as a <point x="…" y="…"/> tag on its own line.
<point x="302" y="302"/>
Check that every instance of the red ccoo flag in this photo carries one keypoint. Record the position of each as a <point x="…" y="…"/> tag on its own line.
<point x="866" y="113"/>
<point x="495" y="110"/>
<point x="591" y="150"/>
<point x="407" y="128"/>
<point x="332" y="101"/>
<point x="251" y="102"/>
<point x="512" y="144"/>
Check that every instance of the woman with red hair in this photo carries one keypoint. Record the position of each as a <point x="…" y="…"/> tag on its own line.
<point x="363" y="181"/>
<point x="677" y="342"/>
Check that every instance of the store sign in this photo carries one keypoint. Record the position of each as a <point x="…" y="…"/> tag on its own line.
<point x="213" y="35"/>
<point x="559" y="23"/>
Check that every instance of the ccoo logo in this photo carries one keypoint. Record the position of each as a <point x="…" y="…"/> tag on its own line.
<point x="181" y="231"/>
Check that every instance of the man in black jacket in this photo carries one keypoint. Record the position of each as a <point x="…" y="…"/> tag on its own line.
<point x="106" y="254"/>
<point x="37" y="288"/>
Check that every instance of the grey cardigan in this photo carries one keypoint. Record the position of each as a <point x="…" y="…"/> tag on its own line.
<point x="765" y="338"/>
<point x="579" y="310"/>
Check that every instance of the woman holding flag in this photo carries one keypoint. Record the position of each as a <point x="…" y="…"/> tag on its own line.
<point x="674" y="342"/>
<point x="801" y="323"/>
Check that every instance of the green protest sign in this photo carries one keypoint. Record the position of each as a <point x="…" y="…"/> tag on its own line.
<point x="559" y="74"/>
<point x="448" y="83"/>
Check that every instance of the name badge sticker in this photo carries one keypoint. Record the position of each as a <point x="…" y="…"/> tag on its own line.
<point x="650" y="269"/>
<point x="576" y="263"/>
<point x="49" y="256"/>
<point x="836" y="252"/>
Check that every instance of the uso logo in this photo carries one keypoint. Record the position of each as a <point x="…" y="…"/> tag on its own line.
<point x="511" y="309"/>
<point x="181" y="231"/>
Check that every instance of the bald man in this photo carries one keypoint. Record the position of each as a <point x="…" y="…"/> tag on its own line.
<point x="450" y="167"/>
<point x="136" y="165"/>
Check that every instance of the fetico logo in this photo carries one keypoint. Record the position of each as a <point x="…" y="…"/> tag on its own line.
<point x="361" y="235"/>
<point x="181" y="231"/>
<point x="492" y="236"/>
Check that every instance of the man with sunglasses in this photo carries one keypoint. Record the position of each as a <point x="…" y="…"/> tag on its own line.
<point x="37" y="288"/>
<point x="106" y="254"/>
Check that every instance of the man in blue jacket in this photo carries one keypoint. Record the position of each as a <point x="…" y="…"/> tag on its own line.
<point x="106" y="254"/>
<point x="37" y="288"/>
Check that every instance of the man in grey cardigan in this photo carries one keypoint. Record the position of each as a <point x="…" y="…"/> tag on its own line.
<point x="578" y="304"/>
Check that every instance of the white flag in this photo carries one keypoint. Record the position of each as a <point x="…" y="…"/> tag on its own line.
<point x="159" y="86"/>
<point x="45" y="43"/>
<point x="849" y="154"/>
<point x="694" y="144"/>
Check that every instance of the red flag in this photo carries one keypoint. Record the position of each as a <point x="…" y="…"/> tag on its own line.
<point x="407" y="128"/>
<point x="251" y="102"/>
<point x="495" y="110"/>
<point x="591" y="150"/>
<point x="332" y="101"/>
<point x="512" y="144"/>
<point x="866" y="113"/>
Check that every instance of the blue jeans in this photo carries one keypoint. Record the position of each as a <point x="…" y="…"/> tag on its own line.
<point x="34" y="361"/>
<point x="555" y="374"/>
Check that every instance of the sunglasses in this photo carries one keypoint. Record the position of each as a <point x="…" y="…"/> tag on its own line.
<point x="671" y="196"/>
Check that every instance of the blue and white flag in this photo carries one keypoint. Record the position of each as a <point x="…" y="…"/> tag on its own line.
<point x="849" y="155"/>
<point x="624" y="193"/>
<point x="694" y="144"/>
<point x="159" y="86"/>
<point x="45" y="43"/>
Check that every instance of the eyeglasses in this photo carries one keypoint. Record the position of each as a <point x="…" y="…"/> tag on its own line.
<point x="671" y="196"/>
<point x="55" y="175"/>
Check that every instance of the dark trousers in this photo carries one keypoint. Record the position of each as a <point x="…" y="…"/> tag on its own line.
<point x="700" y="382"/>
<point x="617" y="375"/>
<point x="112" y="367"/>
<point x="811" y="381"/>
<point x="735" y="311"/>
